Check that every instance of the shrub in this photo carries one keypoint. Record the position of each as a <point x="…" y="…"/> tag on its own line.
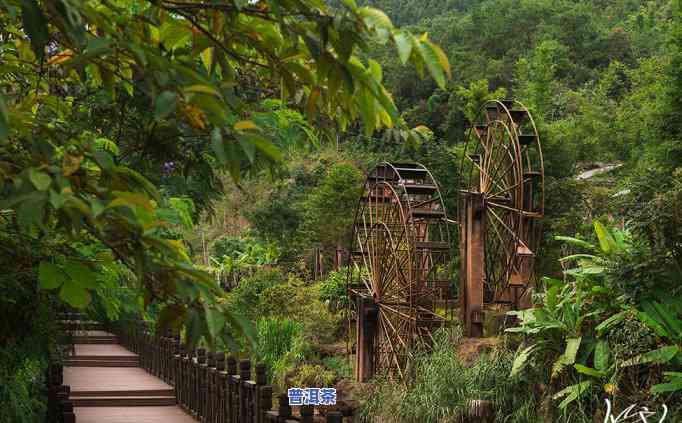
<point x="339" y="365"/>
<point x="311" y="376"/>
<point x="246" y="296"/>
<point x="333" y="290"/>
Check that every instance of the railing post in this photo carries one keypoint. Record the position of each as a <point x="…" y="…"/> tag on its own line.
<point x="221" y="381"/>
<point x="334" y="417"/>
<point x="172" y="367"/>
<point x="190" y="377"/>
<point x="184" y="377"/>
<point x="307" y="413"/>
<point x="67" y="412"/>
<point x="284" y="410"/>
<point x="177" y="376"/>
<point x="212" y="387"/>
<point x="199" y="382"/>
<point x="261" y="404"/>
<point x="206" y="386"/>
<point x="163" y="351"/>
<point x="232" y="395"/>
<point x="244" y="376"/>
<point x="214" y="380"/>
<point x="265" y="398"/>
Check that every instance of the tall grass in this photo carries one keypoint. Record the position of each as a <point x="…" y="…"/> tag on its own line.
<point x="442" y="385"/>
<point x="276" y="338"/>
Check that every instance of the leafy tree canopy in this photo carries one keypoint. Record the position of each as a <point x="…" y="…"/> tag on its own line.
<point x="195" y="72"/>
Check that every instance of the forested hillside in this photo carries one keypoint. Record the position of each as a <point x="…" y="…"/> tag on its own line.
<point x="199" y="165"/>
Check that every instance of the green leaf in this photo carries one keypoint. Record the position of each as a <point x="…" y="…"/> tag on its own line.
<point x="673" y="386"/>
<point x="659" y="356"/>
<point x="575" y="241"/>
<point x="35" y="25"/>
<point x="50" y="276"/>
<point x="215" y="320"/>
<point x="31" y="211"/>
<point x="136" y="180"/>
<point x="103" y="159"/>
<point x="57" y="200"/>
<point x="165" y="104"/>
<point x="352" y="5"/>
<point x="433" y="60"/>
<point x="606" y="241"/>
<point x="521" y="359"/>
<point x="572" y="346"/>
<point x="193" y="327"/>
<point x="404" y="43"/>
<point x="611" y="321"/>
<point x="39" y="179"/>
<point x="218" y="145"/>
<point x="653" y="324"/>
<point x="579" y="256"/>
<point x="672" y="323"/>
<point x="75" y="295"/>
<point x="169" y="317"/>
<point x="572" y="393"/>
<point x="589" y="371"/>
<point x="81" y="275"/>
<point x="174" y="34"/>
<point x="4" y="119"/>
<point x="263" y="144"/>
<point x="602" y="355"/>
<point x="244" y="326"/>
<point x="375" y="18"/>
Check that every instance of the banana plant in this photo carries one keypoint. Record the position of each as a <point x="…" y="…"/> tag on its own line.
<point x="663" y="318"/>
<point x="574" y="311"/>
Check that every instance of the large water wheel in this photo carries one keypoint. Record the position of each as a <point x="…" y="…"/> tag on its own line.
<point x="398" y="276"/>
<point x="501" y="201"/>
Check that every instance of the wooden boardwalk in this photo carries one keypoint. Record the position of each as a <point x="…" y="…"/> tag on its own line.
<point x="108" y="386"/>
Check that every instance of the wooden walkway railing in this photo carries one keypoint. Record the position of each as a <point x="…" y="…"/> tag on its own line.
<point x="59" y="406"/>
<point x="211" y="386"/>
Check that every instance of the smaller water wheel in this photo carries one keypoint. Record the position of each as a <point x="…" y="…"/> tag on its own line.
<point x="398" y="276"/>
<point x="501" y="202"/>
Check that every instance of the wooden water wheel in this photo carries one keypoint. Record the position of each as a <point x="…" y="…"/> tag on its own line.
<point x="501" y="202"/>
<point x="398" y="276"/>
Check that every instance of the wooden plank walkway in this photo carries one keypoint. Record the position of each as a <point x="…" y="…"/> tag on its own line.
<point x="112" y="350"/>
<point x="108" y="386"/>
<point x="172" y="414"/>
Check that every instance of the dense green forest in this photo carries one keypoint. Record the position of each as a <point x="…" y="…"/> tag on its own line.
<point x="199" y="166"/>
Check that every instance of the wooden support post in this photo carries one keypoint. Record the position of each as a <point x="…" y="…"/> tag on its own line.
<point x="244" y="376"/>
<point x="220" y="378"/>
<point x="261" y="382"/>
<point x="265" y="395"/>
<point x="307" y="413"/>
<point x="200" y="385"/>
<point x="210" y="387"/>
<point x="232" y="394"/>
<point x="67" y="412"/>
<point x="472" y="248"/>
<point x="284" y="410"/>
<point x="334" y="417"/>
<point x="366" y="329"/>
<point x="179" y="382"/>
